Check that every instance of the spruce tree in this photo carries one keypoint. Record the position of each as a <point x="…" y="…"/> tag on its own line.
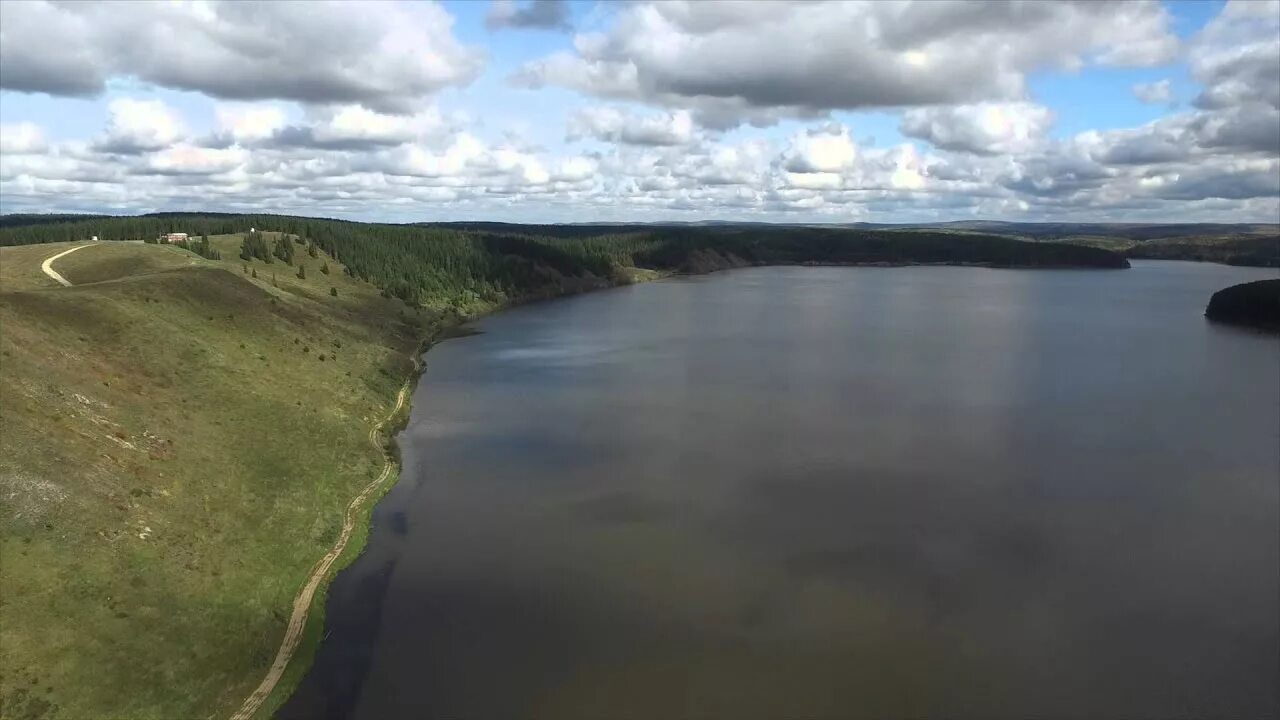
<point x="302" y="271"/>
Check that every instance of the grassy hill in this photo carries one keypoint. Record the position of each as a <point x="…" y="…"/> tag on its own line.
<point x="179" y="441"/>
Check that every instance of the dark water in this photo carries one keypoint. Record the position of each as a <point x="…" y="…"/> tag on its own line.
<point x="830" y="493"/>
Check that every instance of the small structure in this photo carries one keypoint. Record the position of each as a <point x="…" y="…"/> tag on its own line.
<point x="251" y="230"/>
<point x="174" y="237"/>
<point x="94" y="239"/>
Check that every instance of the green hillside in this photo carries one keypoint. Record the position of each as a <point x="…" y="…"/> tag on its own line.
<point x="178" y="444"/>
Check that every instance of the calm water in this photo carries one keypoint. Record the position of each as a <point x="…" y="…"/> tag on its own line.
<point x="830" y="492"/>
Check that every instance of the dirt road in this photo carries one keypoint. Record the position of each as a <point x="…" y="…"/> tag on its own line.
<point x="47" y="265"/>
<point x="302" y="603"/>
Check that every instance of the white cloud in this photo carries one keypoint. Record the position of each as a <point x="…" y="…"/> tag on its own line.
<point x="1237" y="56"/>
<point x="824" y="150"/>
<point x="618" y="126"/>
<point x="186" y="159"/>
<point x="985" y="128"/>
<point x="137" y="126"/>
<point x="243" y="122"/>
<point x="710" y="56"/>
<point x="1156" y="93"/>
<point x="387" y="56"/>
<point x="367" y="139"/>
<point x="22" y="138"/>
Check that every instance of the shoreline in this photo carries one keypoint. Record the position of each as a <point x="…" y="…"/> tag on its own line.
<point x="296" y="653"/>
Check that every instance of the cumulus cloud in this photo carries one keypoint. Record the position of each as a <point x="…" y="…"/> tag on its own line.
<point x="985" y="128"/>
<point x="846" y="55"/>
<point x="823" y="150"/>
<point x="187" y="159"/>
<point x="618" y="126"/>
<point x="138" y="126"/>
<point x="22" y="138"/>
<point x="248" y="123"/>
<point x="388" y="57"/>
<point x="1237" y="56"/>
<point x="1156" y="93"/>
<point x="536" y="14"/>
<point x="977" y="147"/>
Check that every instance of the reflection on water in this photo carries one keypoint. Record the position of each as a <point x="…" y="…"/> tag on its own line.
<point x="830" y="492"/>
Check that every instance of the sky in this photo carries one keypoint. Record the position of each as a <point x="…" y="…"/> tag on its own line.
<point x="563" y="111"/>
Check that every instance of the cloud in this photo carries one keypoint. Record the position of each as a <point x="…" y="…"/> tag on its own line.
<point x="138" y="126"/>
<point x="187" y="159"/>
<point x="388" y="57"/>
<point x="618" y="126"/>
<point x="689" y="81"/>
<point x="22" y="138"/>
<point x="824" y="150"/>
<point x="707" y="57"/>
<point x="1156" y="93"/>
<point x="536" y="14"/>
<point x="1237" y="57"/>
<point x="985" y="128"/>
<point x="248" y="123"/>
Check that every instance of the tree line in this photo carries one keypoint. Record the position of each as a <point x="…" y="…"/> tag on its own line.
<point x="500" y="263"/>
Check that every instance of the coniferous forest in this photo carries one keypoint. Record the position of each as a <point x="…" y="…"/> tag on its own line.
<point x="430" y="263"/>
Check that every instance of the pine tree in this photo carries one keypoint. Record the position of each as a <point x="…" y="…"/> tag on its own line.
<point x="333" y="291"/>
<point x="284" y="249"/>
<point x="253" y="246"/>
<point x="302" y="271"/>
<point x="254" y="274"/>
<point x="324" y="267"/>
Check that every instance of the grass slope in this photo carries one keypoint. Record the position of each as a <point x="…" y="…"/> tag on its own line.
<point x="175" y="457"/>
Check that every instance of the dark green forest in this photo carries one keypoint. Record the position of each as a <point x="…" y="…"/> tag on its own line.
<point x="1253" y="251"/>
<point x="497" y="264"/>
<point x="1255" y="304"/>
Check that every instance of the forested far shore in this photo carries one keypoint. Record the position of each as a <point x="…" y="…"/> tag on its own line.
<point x="433" y="265"/>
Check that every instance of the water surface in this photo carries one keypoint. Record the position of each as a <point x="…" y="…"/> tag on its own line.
<point x="830" y="493"/>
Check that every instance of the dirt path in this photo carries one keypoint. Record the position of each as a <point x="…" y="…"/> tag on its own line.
<point x="302" y="603"/>
<point x="47" y="265"/>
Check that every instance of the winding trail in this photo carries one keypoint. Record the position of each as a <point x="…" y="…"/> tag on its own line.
<point x="302" y="603"/>
<point x="47" y="265"/>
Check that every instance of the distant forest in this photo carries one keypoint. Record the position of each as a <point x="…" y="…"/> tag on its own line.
<point x="431" y="264"/>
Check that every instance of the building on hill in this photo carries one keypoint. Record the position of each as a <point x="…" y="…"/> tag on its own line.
<point x="174" y="237"/>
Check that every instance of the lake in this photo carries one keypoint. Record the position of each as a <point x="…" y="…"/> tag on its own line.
<point x="830" y="493"/>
